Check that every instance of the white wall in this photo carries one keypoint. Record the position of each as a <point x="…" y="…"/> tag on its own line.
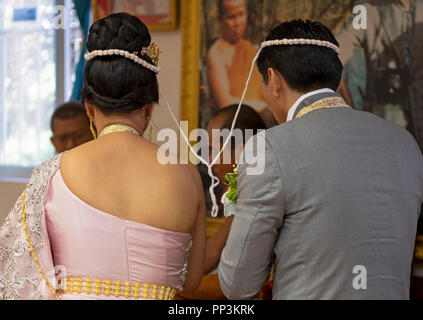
<point x="170" y="43"/>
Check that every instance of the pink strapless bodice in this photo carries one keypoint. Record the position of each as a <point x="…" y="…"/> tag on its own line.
<point x="92" y="244"/>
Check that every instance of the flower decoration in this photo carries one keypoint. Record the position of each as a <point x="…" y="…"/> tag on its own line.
<point x="230" y="197"/>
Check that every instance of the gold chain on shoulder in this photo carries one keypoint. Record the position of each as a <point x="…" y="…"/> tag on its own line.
<point x="31" y="249"/>
<point x="334" y="102"/>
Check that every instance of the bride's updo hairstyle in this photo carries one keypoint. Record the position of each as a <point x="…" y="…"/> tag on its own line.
<point x="115" y="84"/>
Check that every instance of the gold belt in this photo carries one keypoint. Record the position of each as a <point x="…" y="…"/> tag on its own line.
<point x="116" y="288"/>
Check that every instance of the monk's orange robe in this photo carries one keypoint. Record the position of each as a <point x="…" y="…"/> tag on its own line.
<point x="239" y="70"/>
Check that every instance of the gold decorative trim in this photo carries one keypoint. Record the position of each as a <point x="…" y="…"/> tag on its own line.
<point x="116" y="288"/>
<point x="191" y="45"/>
<point x="324" y="104"/>
<point x="213" y="225"/>
<point x="153" y="51"/>
<point x="96" y="14"/>
<point x="419" y="248"/>
<point x="174" y="19"/>
<point x="172" y="25"/>
<point x="114" y="128"/>
<point x="31" y="248"/>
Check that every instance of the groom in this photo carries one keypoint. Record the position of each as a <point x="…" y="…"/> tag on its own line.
<point x="336" y="208"/>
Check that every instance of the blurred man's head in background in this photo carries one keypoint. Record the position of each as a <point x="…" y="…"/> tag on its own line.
<point x="248" y="118"/>
<point x="70" y="127"/>
<point x="233" y="19"/>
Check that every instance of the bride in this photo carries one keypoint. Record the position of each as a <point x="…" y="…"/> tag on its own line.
<point x="106" y="220"/>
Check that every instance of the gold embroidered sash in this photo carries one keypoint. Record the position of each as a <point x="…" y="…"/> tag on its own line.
<point x="332" y="102"/>
<point x="116" y="288"/>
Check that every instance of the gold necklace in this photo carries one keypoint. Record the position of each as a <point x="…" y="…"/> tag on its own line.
<point x="118" y="128"/>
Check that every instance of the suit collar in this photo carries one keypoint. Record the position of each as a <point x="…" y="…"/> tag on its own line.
<point x="312" y="99"/>
<point x="308" y="99"/>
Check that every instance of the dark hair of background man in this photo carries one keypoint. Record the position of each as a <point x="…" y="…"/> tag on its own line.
<point x="69" y="110"/>
<point x="248" y="118"/>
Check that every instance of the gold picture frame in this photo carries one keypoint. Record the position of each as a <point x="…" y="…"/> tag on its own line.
<point x="191" y="45"/>
<point x="213" y="225"/>
<point x="102" y="8"/>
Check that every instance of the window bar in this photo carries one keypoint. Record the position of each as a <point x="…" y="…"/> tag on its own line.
<point x="67" y="68"/>
<point x="2" y="99"/>
<point x="61" y="61"/>
<point x="39" y="110"/>
<point x="21" y="100"/>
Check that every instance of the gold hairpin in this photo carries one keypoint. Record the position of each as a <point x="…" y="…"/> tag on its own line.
<point x="153" y="51"/>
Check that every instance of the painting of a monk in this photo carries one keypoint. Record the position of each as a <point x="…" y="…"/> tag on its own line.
<point x="229" y="58"/>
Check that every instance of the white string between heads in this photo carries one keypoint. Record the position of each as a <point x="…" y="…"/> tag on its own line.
<point x="215" y="181"/>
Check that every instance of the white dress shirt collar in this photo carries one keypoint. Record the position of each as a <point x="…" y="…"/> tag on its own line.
<point x="292" y="110"/>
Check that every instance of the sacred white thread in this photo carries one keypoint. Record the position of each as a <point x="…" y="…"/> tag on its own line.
<point x="215" y="180"/>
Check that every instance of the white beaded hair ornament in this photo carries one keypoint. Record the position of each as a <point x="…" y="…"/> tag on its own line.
<point x="152" y="51"/>
<point x="292" y="42"/>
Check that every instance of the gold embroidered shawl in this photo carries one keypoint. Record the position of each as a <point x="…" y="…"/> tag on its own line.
<point x="19" y="274"/>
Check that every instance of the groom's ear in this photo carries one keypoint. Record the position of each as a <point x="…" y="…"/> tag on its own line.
<point x="274" y="82"/>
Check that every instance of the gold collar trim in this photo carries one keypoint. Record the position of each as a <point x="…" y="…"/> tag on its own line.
<point x="333" y="102"/>
<point x="113" y="128"/>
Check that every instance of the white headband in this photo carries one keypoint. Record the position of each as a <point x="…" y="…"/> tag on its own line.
<point x="123" y="53"/>
<point x="291" y="42"/>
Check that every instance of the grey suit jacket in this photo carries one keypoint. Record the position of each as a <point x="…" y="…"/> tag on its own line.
<point x="341" y="188"/>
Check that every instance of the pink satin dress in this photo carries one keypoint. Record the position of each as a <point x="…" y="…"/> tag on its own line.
<point x="88" y="243"/>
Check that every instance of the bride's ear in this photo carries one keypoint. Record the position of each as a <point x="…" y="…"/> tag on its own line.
<point x="89" y="108"/>
<point x="149" y="110"/>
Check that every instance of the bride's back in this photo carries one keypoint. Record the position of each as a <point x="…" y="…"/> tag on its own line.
<point x="112" y="211"/>
<point x="120" y="174"/>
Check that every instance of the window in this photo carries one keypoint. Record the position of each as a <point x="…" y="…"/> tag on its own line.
<point x="37" y="65"/>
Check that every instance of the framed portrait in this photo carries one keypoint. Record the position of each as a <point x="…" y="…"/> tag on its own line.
<point x="221" y="38"/>
<point x="387" y="48"/>
<point x="380" y="49"/>
<point x="156" y="14"/>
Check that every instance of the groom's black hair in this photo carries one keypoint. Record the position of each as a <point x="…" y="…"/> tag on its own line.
<point x="304" y="67"/>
